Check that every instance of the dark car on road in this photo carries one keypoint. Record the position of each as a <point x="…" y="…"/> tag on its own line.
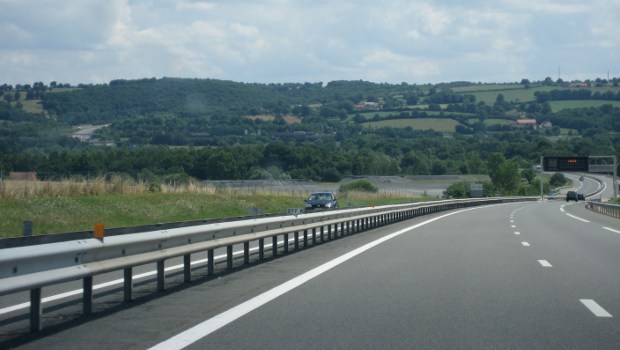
<point x="321" y="200"/>
<point x="581" y="197"/>
<point x="571" y="196"/>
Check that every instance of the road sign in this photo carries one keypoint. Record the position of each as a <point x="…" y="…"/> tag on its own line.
<point x="579" y="164"/>
<point x="294" y="211"/>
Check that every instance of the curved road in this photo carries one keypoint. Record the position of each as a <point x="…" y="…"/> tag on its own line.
<point x="539" y="275"/>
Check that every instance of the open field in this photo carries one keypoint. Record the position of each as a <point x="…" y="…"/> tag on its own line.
<point x="557" y="106"/>
<point x="486" y="87"/>
<point x="32" y="106"/>
<point x="518" y="93"/>
<point x="289" y="119"/>
<point x="437" y="124"/>
<point x="499" y="122"/>
<point x="72" y="206"/>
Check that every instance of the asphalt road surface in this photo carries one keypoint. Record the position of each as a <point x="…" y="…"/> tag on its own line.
<point x="539" y="275"/>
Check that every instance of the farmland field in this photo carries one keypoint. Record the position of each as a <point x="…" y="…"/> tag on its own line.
<point x="498" y="121"/>
<point x="486" y="87"/>
<point x="437" y="124"/>
<point x="517" y="95"/>
<point x="557" y="106"/>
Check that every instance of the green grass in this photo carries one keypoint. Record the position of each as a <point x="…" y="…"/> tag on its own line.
<point x="437" y="124"/>
<point x="518" y="93"/>
<point x="499" y="122"/>
<point x="486" y="87"/>
<point x="74" y="214"/>
<point x="557" y="106"/>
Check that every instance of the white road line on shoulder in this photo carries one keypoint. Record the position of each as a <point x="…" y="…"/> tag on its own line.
<point x="517" y="233"/>
<point x="577" y="218"/>
<point x="211" y="325"/>
<point x="544" y="263"/>
<point x="612" y="230"/>
<point x="513" y="226"/>
<point x="525" y="244"/>
<point x="595" y="308"/>
<point x="562" y="209"/>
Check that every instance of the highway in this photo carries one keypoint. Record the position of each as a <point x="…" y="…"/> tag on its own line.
<point x="538" y="275"/>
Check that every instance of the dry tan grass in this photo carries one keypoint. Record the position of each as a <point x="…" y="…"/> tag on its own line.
<point x="16" y="189"/>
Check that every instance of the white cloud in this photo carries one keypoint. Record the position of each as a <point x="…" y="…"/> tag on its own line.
<point x="201" y="6"/>
<point x="286" y="40"/>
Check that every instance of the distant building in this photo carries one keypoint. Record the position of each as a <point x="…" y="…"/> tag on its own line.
<point x="367" y="106"/>
<point x="526" y="123"/>
<point x="546" y="124"/>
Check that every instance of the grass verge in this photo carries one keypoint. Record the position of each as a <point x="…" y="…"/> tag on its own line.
<point x="79" y="213"/>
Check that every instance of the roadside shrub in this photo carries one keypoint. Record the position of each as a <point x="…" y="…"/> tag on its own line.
<point x="457" y="190"/>
<point x="358" y="186"/>
<point x="557" y="180"/>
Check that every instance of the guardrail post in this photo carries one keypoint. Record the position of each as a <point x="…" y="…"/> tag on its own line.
<point x="187" y="268"/>
<point x="329" y="232"/>
<point x="160" y="275"/>
<point x="229" y="257"/>
<point x="246" y="253"/>
<point x="261" y="249"/>
<point x="286" y="243"/>
<point x="313" y="235"/>
<point x="322" y="234"/>
<point x="296" y="240"/>
<point x="210" y="262"/>
<point x="36" y="310"/>
<point x="128" y="284"/>
<point x="87" y="304"/>
<point x="306" y="238"/>
<point x="274" y="246"/>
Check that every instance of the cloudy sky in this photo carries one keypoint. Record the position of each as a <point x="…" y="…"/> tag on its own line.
<point x="393" y="41"/>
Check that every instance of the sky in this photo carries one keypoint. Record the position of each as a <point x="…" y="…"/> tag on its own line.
<point x="296" y="41"/>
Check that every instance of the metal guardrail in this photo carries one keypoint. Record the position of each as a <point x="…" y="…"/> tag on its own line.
<point x="30" y="268"/>
<point x="606" y="209"/>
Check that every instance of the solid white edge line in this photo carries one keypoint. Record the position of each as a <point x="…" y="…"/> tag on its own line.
<point x="211" y="325"/>
<point x="576" y="217"/>
<point x="595" y="308"/>
<point x="611" y="229"/>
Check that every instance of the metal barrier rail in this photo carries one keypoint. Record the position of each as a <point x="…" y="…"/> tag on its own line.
<point x="34" y="267"/>
<point x="606" y="209"/>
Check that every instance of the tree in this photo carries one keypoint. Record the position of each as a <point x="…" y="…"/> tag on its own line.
<point x="506" y="178"/>
<point x="557" y="180"/>
<point x="528" y="174"/>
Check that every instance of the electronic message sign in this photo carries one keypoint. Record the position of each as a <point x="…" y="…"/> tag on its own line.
<point x="578" y="164"/>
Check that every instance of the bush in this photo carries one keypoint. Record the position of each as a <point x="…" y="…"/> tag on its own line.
<point x="557" y="180"/>
<point x="359" y="186"/>
<point x="457" y="190"/>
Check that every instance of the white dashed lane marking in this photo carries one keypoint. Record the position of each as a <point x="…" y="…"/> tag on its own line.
<point x="544" y="263"/>
<point x="595" y="308"/>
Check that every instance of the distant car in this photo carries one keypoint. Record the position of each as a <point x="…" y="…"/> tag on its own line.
<point x="571" y="196"/>
<point x="582" y="178"/>
<point x="581" y="197"/>
<point x="321" y="200"/>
